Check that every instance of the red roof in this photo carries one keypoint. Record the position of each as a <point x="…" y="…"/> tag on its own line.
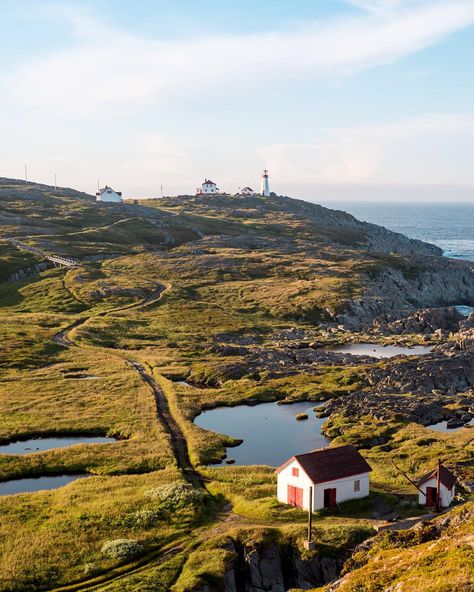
<point x="446" y="477"/>
<point x="330" y="464"/>
<point x="208" y="182"/>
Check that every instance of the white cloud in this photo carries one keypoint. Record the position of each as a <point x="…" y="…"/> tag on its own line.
<point x="106" y="70"/>
<point x="417" y="150"/>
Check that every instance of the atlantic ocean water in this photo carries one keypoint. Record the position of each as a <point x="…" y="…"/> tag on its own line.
<point x="450" y="226"/>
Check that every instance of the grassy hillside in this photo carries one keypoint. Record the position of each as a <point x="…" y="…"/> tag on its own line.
<point x="187" y="289"/>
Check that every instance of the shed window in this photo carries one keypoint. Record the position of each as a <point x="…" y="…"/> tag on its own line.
<point x="357" y="485"/>
<point x="295" y="472"/>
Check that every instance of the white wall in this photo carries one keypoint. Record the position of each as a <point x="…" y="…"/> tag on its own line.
<point x="447" y="495"/>
<point x="344" y="487"/>
<point x="285" y="478"/>
<point x="111" y="197"/>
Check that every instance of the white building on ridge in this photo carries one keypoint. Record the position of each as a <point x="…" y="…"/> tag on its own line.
<point x="245" y="191"/>
<point x="333" y="475"/>
<point x="207" y="188"/>
<point x="108" y="194"/>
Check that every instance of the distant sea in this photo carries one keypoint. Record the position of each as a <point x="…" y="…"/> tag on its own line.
<point x="450" y="226"/>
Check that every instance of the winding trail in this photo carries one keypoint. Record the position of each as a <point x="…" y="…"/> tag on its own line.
<point x="178" y="441"/>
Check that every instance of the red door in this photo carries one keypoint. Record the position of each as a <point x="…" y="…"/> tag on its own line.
<point x="330" y="497"/>
<point x="431" y="494"/>
<point x="295" y="496"/>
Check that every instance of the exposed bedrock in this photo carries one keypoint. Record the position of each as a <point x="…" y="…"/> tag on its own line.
<point x="425" y="320"/>
<point x="393" y="294"/>
<point x="453" y="372"/>
<point x="422" y="409"/>
<point x="271" y="568"/>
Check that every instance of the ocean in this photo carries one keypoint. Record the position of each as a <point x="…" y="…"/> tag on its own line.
<point x="450" y="226"/>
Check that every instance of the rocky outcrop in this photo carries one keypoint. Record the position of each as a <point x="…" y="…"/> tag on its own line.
<point x="425" y="320"/>
<point x="394" y="293"/>
<point x="426" y="410"/>
<point x="441" y="371"/>
<point x="271" y="568"/>
<point x="34" y="270"/>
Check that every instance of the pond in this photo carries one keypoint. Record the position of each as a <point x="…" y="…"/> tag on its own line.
<point x="442" y="426"/>
<point x="270" y="432"/>
<point x="41" y="444"/>
<point x="376" y="350"/>
<point x="31" y="484"/>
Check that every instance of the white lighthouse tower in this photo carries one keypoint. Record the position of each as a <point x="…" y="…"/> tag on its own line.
<point x="265" y="191"/>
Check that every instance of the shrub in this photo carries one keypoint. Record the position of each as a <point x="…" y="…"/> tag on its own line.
<point x="123" y="549"/>
<point x="176" y="496"/>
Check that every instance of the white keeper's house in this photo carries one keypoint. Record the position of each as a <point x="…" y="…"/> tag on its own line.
<point x="108" y="194"/>
<point x="207" y="188"/>
<point x="332" y="474"/>
<point x="428" y="487"/>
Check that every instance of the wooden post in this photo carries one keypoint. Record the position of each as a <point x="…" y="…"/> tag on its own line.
<point x="310" y="517"/>
<point x="308" y="544"/>
<point x="438" y="487"/>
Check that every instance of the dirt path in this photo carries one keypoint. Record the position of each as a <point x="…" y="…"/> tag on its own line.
<point x="178" y="440"/>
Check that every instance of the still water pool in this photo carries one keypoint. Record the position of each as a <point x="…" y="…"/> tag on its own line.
<point x="41" y="444"/>
<point x="36" y="483"/>
<point x="270" y="432"/>
<point x="378" y="351"/>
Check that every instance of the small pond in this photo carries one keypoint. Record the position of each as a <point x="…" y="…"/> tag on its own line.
<point x="270" y="432"/>
<point x="41" y="444"/>
<point x="442" y="426"/>
<point x="465" y="310"/>
<point x="31" y="484"/>
<point x="376" y="350"/>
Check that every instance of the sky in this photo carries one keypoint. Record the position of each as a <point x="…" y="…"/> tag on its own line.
<point x="339" y="99"/>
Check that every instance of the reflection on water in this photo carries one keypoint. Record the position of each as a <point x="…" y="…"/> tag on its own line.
<point x="36" y="484"/>
<point x="41" y="444"/>
<point x="378" y="351"/>
<point x="442" y="426"/>
<point x="270" y="432"/>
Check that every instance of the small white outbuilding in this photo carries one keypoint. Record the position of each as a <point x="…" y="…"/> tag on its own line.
<point x="428" y="487"/>
<point x="245" y="191"/>
<point x="108" y="194"/>
<point x="332" y="474"/>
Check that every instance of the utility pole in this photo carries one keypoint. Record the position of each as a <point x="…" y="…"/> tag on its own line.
<point x="438" y="487"/>
<point x="26" y="174"/>
<point x="161" y="190"/>
<point x="309" y="544"/>
<point x="55" y="184"/>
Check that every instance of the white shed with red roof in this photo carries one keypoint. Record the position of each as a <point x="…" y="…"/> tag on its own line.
<point x="428" y="487"/>
<point x="334" y="474"/>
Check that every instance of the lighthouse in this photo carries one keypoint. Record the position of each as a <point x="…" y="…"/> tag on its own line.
<point x="265" y="191"/>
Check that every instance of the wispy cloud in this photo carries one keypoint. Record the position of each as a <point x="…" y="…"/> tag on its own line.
<point x="105" y="70"/>
<point x="417" y="150"/>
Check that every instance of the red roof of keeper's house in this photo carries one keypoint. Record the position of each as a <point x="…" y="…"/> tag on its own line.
<point x="330" y="464"/>
<point x="208" y="182"/>
<point x="446" y="477"/>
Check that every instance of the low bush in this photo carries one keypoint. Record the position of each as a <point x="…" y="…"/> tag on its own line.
<point x="122" y="549"/>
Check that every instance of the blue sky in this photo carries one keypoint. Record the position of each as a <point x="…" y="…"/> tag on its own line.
<point x="356" y="99"/>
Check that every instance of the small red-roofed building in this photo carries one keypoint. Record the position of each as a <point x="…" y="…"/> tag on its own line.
<point x="332" y="474"/>
<point x="428" y="487"/>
